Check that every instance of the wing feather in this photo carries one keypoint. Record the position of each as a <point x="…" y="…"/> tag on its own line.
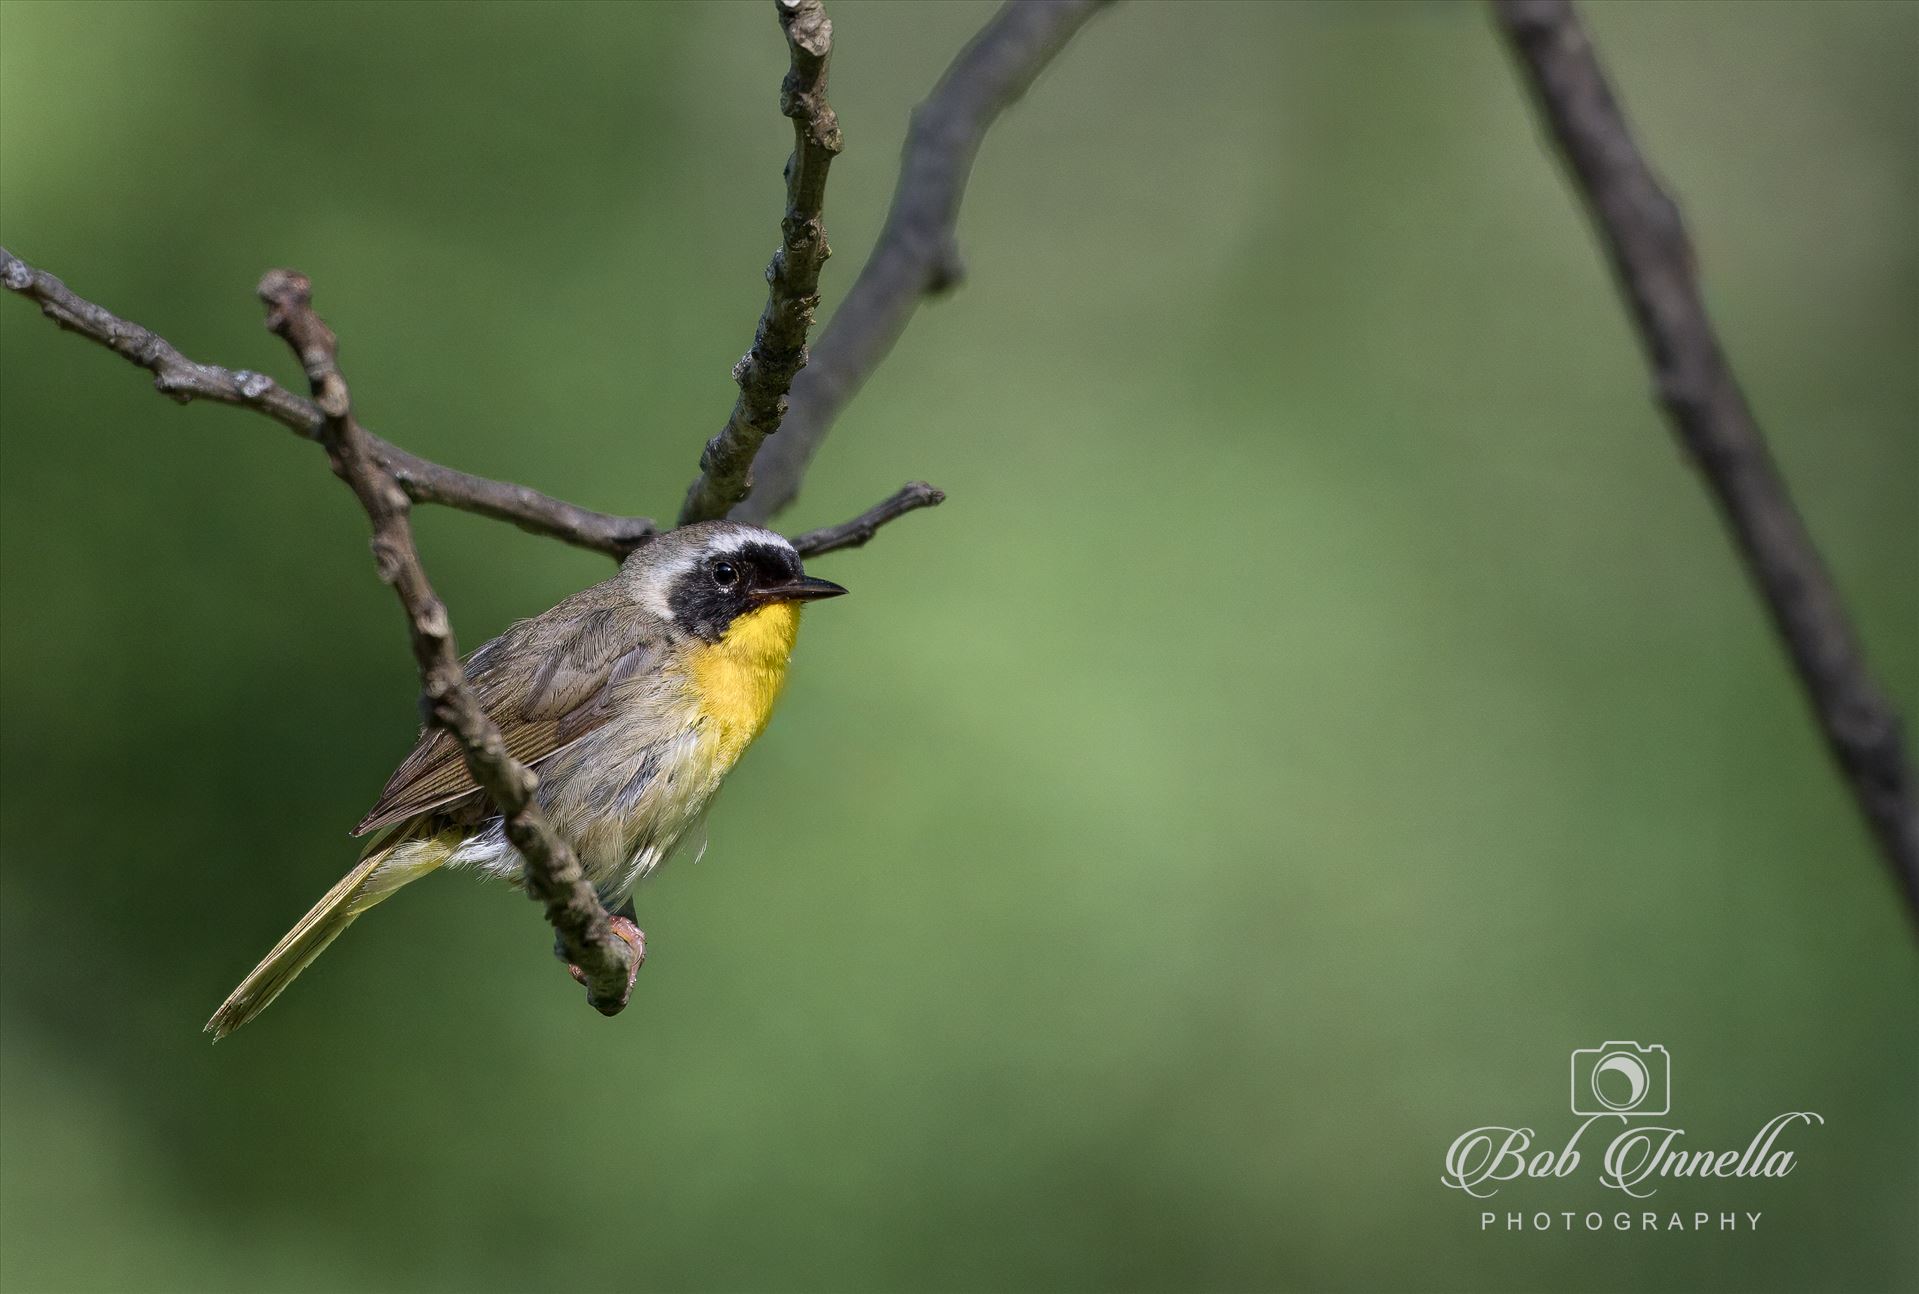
<point x="545" y="682"/>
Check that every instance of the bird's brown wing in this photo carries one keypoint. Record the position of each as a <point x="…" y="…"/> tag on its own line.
<point x="546" y="683"/>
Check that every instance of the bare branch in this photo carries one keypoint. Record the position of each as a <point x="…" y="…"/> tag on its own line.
<point x="424" y="481"/>
<point x="552" y="874"/>
<point x="852" y="534"/>
<point x="917" y="255"/>
<point x="1652" y="260"/>
<point x="766" y="372"/>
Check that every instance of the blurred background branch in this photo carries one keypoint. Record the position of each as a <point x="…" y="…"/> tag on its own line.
<point x="1652" y="260"/>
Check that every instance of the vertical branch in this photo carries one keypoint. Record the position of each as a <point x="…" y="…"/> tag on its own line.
<point x="1652" y="261"/>
<point x="917" y="255"/>
<point x="765" y="374"/>
<point x="553" y="874"/>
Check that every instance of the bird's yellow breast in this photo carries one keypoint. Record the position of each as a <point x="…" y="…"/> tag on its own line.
<point x="737" y="679"/>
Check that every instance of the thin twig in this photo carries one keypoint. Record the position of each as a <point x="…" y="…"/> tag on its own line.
<point x="852" y="534"/>
<point x="552" y="874"/>
<point x="917" y="255"/>
<point x="765" y="373"/>
<point x="423" y="480"/>
<point x="1652" y="260"/>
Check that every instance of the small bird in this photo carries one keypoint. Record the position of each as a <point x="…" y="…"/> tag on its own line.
<point x="632" y="699"/>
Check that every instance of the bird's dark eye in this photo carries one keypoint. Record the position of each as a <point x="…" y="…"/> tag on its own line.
<point x="725" y="574"/>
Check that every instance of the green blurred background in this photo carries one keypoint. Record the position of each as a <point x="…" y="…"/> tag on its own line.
<point x="1326" y="700"/>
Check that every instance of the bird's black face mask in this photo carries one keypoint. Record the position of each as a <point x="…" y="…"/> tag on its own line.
<point x="710" y="596"/>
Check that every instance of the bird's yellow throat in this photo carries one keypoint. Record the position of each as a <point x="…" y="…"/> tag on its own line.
<point x="738" y="679"/>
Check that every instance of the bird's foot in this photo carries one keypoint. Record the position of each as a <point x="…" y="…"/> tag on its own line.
<point x="629" y="930"/>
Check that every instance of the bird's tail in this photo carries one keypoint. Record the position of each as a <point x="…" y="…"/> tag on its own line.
<point x="388" y="864"/>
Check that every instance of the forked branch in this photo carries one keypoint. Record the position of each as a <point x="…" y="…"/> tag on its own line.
<point x="917" y="255"/>
<point x="914" y="258"/>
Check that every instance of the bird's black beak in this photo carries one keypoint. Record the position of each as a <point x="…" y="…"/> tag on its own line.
<point x="804" y="589"/>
